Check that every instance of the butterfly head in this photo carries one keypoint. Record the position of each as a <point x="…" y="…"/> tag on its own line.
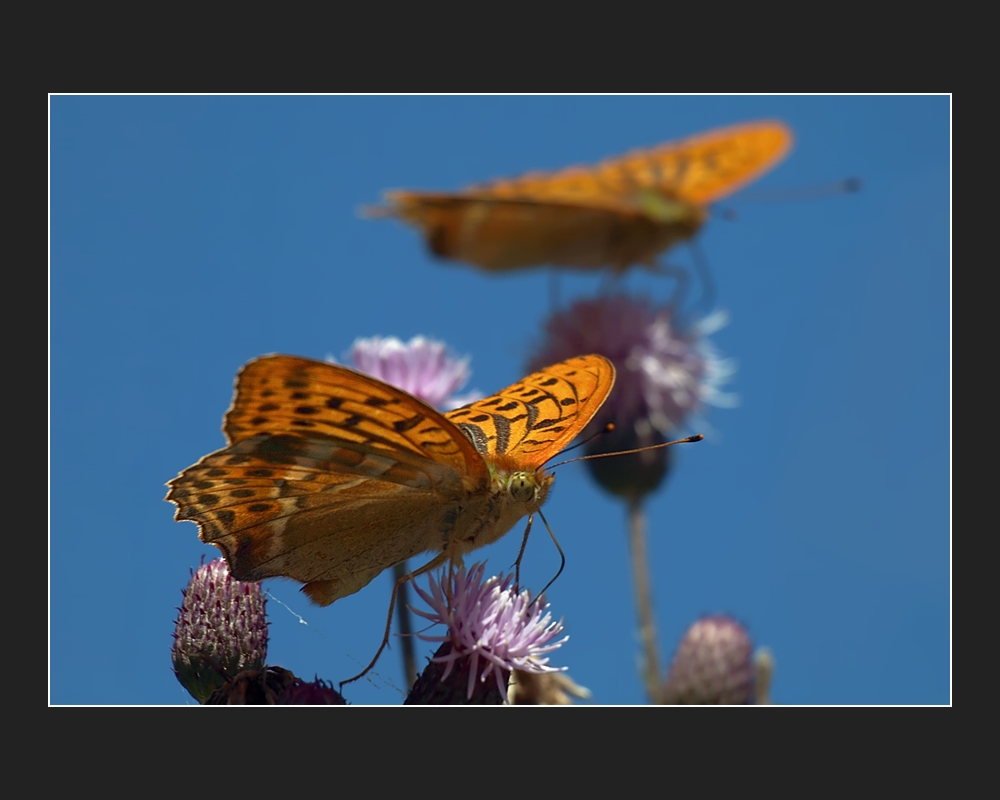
<point x="524" y="487"/>
<point x="521" y="490"/>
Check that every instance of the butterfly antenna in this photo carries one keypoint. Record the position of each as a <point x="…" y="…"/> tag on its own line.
<point x="696" y="438"/>
<point x="562" y="557"/>
<point x="435" y="562"/>
<point x="606" y="429"/>
<point x="842" y="186"/>
<point x="373" y="212"/>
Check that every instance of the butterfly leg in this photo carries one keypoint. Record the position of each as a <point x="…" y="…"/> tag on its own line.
<point x="520" y="554"/>
<point x="562" y="558"/>
<point x="680" y="275"/>
<point x="612" y="282"/>
<point x="434" y="563"/>
<point x="553" y="291"/>
<point x="708" y="296"/>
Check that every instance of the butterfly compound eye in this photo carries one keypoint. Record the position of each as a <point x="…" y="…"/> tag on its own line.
<point x="521" y="487"/>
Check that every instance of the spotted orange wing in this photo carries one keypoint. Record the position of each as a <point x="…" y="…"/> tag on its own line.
<point x="296" y="396"/>
<point x="536" y="418"/>
<point x="622" y="211"/>
<point x="699" y="170"/>
<point x="331" y="476"/>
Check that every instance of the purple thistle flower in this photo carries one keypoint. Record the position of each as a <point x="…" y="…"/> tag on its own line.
<point x="712" y="666"/>
<point x="665" y="375"/>
<point x="421" y="367"/>
<point x="221" y="630"/>
<point x="488" y="621"/>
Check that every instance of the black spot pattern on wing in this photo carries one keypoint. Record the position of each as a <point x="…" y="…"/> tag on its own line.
<point x="539" y="416"/>
<point x="277" y="395"/>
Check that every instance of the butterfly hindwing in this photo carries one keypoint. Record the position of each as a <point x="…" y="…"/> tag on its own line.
<point x="501" y="234"/>
<point x="311" y="521"/>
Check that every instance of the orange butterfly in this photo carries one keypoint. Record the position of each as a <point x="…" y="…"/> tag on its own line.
<point x="330" y="476"/>
<point x="622" y="211"/>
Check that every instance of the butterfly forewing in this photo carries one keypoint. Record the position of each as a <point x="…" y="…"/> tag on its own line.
<point x="539" y="416"/>
<point x="299" y="396"/>
<point x="710" y="166"/>
<point x="699" y="169"/>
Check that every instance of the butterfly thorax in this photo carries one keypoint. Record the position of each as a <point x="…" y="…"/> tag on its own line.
<point x="667" y="209"/>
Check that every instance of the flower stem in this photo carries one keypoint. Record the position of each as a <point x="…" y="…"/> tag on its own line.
<point x="763" y="666"/>
<point x="643" y="599"/>
<point x="405" y="626"/>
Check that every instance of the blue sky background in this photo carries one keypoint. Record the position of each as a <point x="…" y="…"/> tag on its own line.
<point x="191" y="234"/>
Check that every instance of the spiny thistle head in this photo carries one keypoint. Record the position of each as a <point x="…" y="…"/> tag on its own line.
<point x="221" y="630"/>
<point x="712" y="666"/>
<point x="630" y="475"/>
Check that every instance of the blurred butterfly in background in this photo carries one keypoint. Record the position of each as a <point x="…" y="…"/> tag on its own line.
<point x="330" y="476"/>
<point x="622" y="211"/>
